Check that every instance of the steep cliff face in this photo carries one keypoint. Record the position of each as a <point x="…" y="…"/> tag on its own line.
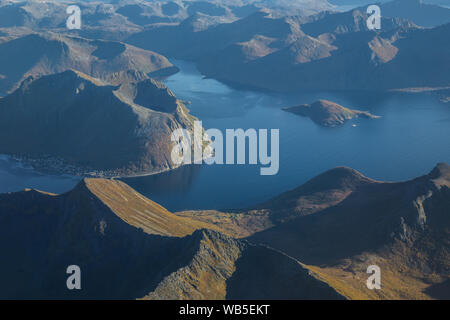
<point x="97" y="127"/>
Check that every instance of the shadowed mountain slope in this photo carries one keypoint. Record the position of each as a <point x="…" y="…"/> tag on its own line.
<point x="76" y="229"/>
<point x="92" y="125"/>
<point x="328" y="51"/>
<point x="337" y="225"/>
<point x="340" y="222"/>
<point x="88" y="227"/>
<point x="44" y="54"/>
<point x="193" y="43"/>
<point x="373" y="212"/>
<point x="322" y="192"/>
<point x="225" y="268"/>
<point x="402" y="227"/>
<point x="363" y="61"/>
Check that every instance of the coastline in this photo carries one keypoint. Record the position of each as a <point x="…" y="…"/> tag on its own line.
<point x="56" y="166"/>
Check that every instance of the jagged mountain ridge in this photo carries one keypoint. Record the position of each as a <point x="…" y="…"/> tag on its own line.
<point x="426" y="13"/>
<point x="367" y="197"/>
<point x="336" y="225"/>
<point x="118" y="260"/>
<point x="119" y="19"/>
<point x="329" y="51"/>
<point x="340" y="222"/>
<point x="402" y="227"/>
<point x="242" y="271"/>
<point x="351" y="61"/>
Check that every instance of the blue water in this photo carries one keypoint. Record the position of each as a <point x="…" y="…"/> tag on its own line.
<point x="14" y="176"/>
<point x="409" y="140"/>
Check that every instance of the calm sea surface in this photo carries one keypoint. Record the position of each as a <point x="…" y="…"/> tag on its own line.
<point x="409" y="140"/>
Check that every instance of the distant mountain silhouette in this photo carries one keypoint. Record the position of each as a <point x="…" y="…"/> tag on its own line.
<point x="420" y="12"/>
<point x="329" y="51"/>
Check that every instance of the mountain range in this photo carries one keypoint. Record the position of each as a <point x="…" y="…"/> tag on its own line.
<point x="118" y="19"/>
<point x="250" y="43"/>
<point x="48" y="53"/>
<point x="341" y="222"/>
<point x="327" y="51"/>
<point x="90" y="103"/>
<point x="313" y="242"/>
<point x="134" y="249"/>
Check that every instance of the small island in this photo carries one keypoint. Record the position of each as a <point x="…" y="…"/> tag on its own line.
<point x="327" y="113"/>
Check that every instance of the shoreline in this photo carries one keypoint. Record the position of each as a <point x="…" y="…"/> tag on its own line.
<point x="41" y="166"/>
